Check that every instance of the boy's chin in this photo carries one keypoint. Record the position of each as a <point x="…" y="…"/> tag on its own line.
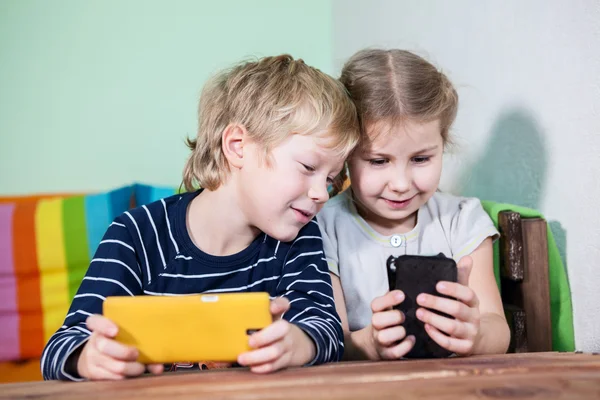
<point x="283" y="233"/>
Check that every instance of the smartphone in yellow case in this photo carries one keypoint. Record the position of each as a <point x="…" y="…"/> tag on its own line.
<point x="205" y="327"/>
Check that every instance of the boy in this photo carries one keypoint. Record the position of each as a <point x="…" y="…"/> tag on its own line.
<point x="272" y="135"/>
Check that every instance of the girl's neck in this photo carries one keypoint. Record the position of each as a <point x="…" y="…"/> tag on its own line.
<point x="216" y="224"/>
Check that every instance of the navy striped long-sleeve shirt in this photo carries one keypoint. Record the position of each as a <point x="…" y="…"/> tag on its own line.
<point x="148" y="251"/>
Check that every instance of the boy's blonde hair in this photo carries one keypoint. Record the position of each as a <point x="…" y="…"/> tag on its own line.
<point x="392" y="86"/>
<point x="273" y="98"/>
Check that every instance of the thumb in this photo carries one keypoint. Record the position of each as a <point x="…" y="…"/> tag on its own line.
<point x="387" y="301"/>
<point x="278" y="307"/>
<point x="102" y="325"/>
<point x="464" y="270"/>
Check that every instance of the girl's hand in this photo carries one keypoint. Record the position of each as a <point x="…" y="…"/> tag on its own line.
<point x="388" y="336"/>
<point x="279" y="345"/>
<point x="461" y="332"/>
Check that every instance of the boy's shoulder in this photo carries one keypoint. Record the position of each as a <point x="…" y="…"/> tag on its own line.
<point x="168" y="206"/>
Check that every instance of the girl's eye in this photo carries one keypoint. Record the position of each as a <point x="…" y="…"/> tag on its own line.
<point x="421" y="159"/>
<point x="330" y="181"/>
<point x="378" y="161"/>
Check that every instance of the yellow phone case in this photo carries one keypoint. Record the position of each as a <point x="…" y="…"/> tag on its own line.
<point x="207" y="327"/>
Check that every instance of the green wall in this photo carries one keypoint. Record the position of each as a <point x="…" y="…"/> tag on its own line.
<point x="96" y="94"/>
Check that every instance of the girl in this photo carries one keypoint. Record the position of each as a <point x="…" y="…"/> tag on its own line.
<point x="393" y="207"/>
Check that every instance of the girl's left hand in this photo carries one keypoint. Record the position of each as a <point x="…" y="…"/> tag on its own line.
<point x="461" y="332"/>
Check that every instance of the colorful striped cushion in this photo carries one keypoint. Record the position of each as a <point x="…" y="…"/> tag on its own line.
<point x="146" y="194"/>
<point x="46" y="245"/>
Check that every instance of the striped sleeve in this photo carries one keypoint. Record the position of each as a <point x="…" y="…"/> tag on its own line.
<point x="305" y="281"/>
<point x="114" y="271"/>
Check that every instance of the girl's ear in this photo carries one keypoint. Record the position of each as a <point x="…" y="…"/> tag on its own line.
<point x="232" y="143"/>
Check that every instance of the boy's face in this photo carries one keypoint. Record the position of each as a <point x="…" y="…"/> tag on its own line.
<point x="282" y="195"/>
<point x="396" y="174"/>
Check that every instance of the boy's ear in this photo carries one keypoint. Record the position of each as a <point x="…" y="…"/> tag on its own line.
<point x="232" y="143"/>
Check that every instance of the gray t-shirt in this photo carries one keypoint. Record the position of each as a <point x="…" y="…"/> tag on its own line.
<point x="454" y="226"/>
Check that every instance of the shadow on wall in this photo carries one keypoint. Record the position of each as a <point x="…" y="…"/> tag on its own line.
<point x="513" y="167"/>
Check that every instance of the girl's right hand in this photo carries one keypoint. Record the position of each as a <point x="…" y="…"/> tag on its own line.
<point x="103" y="358"/>
<point x="387" y="333"/>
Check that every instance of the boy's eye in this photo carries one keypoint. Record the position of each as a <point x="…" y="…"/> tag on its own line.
<point x="420" y="159"/>
<point x="378" y="161"/>
<point x="309" y="168"/>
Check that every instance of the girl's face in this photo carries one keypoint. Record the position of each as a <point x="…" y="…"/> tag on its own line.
<point x="396" y="173"/>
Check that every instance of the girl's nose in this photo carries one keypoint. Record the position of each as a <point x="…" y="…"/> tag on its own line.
<point x="401" y="181"/>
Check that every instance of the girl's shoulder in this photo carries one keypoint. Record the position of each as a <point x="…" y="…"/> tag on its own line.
<point x="446" y="204"/>
<point x="463" y="221"/>
<point x="337" y="205"/>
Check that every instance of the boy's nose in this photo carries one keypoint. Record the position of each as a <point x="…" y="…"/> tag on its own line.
<point x="318" y="193"/>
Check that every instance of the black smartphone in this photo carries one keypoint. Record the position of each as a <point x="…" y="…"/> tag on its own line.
<point x="415" y="275"/>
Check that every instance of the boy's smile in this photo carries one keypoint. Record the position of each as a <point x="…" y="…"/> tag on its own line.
<point x="303" y="216"/>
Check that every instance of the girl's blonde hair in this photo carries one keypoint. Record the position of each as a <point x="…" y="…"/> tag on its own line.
<point x="273" y="98"/>
<point x="393" y="86"/>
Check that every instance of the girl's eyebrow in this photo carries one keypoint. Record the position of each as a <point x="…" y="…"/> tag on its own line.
<point x="426" y="149"/>
<point x="377" y="154"/>
<point x="383" y="154"/>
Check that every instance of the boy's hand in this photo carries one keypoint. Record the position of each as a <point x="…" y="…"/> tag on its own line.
<point x="461" y="332"/>
<point x="279" y="345"/>
<point x="386" y="332"/>
<point x="104" y="358"/>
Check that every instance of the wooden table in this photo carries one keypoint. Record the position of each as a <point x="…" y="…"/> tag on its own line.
<point x="515" y="376"/>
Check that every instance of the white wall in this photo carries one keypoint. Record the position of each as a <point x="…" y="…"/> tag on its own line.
<point x="96" y="94"/>
<point x="528" y="75"/>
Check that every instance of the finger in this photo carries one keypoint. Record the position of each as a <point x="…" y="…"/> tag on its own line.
<point x="451" y="327"/>
<point x="451" y="307"/>
<point x="97" y="373"/>
<point x="464" y="267"/>
<point x="116" y="350"/>
<point x="388" y="337"/>
<point x="458" y="291"/>
<point x="399" y="350"/>
<point x="220" y="365"/>
<point x="155" y="369"/>
<point x="104" y="326"/>
<point x="385" y="319"/>
<point x="271" y="334"/>
<point x="278" y="307"/>
<point x="263" y="368"/>
<point x="262" y="356"/>
<point x="270" y="367"/>
<point x="387" y="301"/>
<point x="455" y="345"/>
<point x="125" y="368"/>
